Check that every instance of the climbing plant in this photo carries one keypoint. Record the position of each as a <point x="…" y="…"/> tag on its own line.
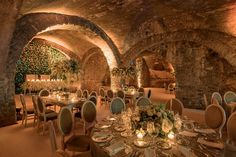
<point x="38" y="59"/>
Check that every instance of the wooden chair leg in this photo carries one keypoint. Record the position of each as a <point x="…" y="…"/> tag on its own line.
<point x="25" y="121"/>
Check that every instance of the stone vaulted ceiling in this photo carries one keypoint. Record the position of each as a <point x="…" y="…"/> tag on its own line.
<point x="124" y="20"/>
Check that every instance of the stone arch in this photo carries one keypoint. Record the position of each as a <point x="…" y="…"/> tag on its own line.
<point x="29" y="25"/>
<point x="95" y="68"/>
<point x="60" y="48"/>
<point x="221" y="43"/>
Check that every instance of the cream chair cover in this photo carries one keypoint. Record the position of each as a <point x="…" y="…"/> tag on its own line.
<point x="110" y="95"/>
<point x="44" y="92"/>
<point x="215" y="117"/>
<point x="229" y="97"/>
<point x="143" y="101"/>
<point x="117" y="105"/>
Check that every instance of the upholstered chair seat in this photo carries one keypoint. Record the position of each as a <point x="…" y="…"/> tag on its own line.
<point x="78" y="143"/>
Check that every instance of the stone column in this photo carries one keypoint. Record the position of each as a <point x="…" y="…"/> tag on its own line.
<point x="143" y="76"/>
<point x="8" y="15"/>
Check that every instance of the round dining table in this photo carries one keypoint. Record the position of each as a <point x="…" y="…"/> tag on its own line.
<point x="109" y="138"/>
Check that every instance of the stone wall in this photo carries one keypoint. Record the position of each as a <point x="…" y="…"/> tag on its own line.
<point x="8" y="15"/>
<point x="94" y="70"/>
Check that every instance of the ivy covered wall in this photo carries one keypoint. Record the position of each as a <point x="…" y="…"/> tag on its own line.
<point x="36" y="58"/>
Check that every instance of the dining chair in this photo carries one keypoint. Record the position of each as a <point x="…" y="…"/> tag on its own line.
<point x="205" y="100"/>
<point x="230" y="145"/>
<point x="216" y="98"/>
<point x="140" y="92"/>
<point x="56" y="152"/>
<point x="85" y="94"/>
<point x="177" y="106"/>
<point x="229" y="97"/>
<point x="45" y="92"/>
<point x="93" y="93"/>
<point x="27" y="112"/>
<point x="74" y="143"/>
<point x="79" y="93"/>
<point x="110" y="95"/>
<point x="44" y="114"/>
<point x="120" y="94"/>
<point x="143" y="101"/>
<point x="102" y="94"/>
<point x="230" y="101"/>
<point x="93" y="99"/>
<point x="89" y="116"/>
<point x="36" y="115"/>
<point x="215" y="117"/>
<point x="117" y="105"/>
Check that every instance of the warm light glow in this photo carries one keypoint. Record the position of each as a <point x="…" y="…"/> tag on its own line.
<point x="171" y="135"/>
<point x="140" y="135"/>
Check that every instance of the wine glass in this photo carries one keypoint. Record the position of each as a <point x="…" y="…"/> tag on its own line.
<point x="152" y="131"/>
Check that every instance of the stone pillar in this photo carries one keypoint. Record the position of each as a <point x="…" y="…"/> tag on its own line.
<point x="143" y="76"/>
<point x="8" y="15"/>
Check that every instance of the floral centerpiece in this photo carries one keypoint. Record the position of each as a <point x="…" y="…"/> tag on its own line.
<point x="164" y="120"/>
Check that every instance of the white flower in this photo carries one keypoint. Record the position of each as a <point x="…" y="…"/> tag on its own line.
<point x="167" y="125"/>
<point x="158" y="114"/>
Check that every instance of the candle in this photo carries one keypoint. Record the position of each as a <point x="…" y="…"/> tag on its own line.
<point x="140" y="135"/>
<point x="171" y="135"/>
<point x="140" y="142"/>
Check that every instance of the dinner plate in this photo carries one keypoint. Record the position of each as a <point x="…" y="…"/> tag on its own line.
<point x="141" y="143"/>
<point x="119" y="128"/>
<point x="163" y="145"/>
<point x="102" y="126"/>
<point x="102" y="137"/>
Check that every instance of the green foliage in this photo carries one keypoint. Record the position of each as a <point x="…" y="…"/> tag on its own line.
<point x="37" y="59"/>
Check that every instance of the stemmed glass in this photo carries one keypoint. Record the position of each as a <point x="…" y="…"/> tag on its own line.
<point x="152" y="131"/>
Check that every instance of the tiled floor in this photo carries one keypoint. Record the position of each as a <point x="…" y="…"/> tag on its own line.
<point x="18" y="141"/>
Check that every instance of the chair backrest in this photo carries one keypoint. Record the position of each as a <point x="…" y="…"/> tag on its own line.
<point x="53" y="140"/>
<point x="117" y="105"/>
<point x="121" y="94"/>
<point x="143" y="101"/>
<point x="79" y="93"/>
<point x="34" y="100"/>
<point x="216" y="97"/>
<point x="215" y="117"/>
<point x="93" y="93"/>
<point x="88" y="112"/>
<point x="65" y="121"/>
<point x="110" y="94"/>
<point x="177" y="106"/>
<point x="22" y="100"/>
<point x="231" y="127"/>
<point x="205" y="100"/>
<point x="44" y="92"/>
<point x="40" y="106"/>
<point x="141" y="90"/>
<point x="93" y="99"/>
<point x="149" y="93"/>
<point x="85" y="93"/>
<point x="229" y="97"/>
<point x="72" y="89"/>
<point x="102" y="92"/>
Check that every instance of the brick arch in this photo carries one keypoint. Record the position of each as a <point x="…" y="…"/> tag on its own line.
<point x="222" y="43"/>
<point x="29" y="25"/>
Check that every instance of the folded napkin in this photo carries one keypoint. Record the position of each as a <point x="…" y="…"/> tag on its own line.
<point x="211" y="144"/>
<point x="205" y="131"/>
<point x="186" y="151"/>
<point x="188" y="133"/>
<point x="149" y="152"/>
<point x="115" y="148"/>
